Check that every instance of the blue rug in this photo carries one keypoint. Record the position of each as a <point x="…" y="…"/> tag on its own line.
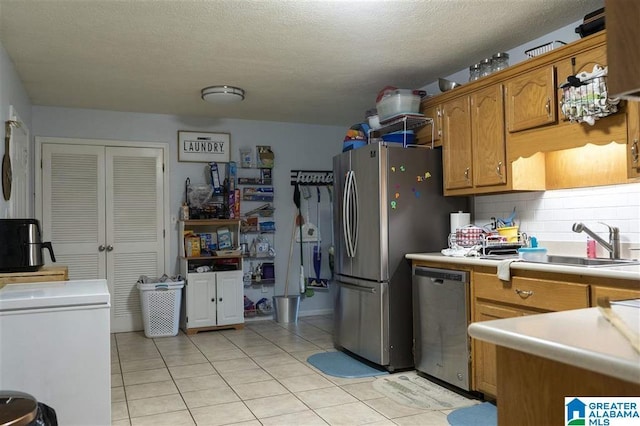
<point x="339" y="364"/>
<point x="484" y="414"/>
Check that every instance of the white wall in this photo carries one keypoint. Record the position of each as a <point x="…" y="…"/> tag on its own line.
<point x="12" y="93"/>
<point x="296" y="146"/>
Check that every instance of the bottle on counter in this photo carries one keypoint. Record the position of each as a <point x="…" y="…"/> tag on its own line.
<point x="591" y="248"/>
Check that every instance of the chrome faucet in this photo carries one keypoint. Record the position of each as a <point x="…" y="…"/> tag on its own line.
<point x="613" y="246"/>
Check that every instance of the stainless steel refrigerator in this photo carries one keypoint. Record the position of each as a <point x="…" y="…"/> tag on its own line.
<point x="388" y="203"/>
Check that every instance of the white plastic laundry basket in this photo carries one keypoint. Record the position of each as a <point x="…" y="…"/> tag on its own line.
<point x="161" y="307"/>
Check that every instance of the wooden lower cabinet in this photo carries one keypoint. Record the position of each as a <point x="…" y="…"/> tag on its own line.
<point x="495" y="299"/>
<point x="484" y="354"/>
<point x="535" y="388"/>
<point x="613" y="293"/>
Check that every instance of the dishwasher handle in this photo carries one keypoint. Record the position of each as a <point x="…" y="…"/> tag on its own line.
<point x="438" y="276"/>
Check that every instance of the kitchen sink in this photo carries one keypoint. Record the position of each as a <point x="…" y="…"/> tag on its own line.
<point x="588" y="262"/>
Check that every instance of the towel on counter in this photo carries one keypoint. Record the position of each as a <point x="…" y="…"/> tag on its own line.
<point x="459" y="251"/>
<point x="504" y="269"/>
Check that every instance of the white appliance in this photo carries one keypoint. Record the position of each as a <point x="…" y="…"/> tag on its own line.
<point x="55" y="346"/>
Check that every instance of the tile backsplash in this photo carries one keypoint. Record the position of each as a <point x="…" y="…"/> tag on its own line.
<point x="549" y="215"/>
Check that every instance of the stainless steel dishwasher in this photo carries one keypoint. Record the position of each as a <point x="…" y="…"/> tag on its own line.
<point x="440" y="319"/>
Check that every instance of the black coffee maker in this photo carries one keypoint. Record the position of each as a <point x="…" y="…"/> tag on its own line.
<point x="21" y="246"/>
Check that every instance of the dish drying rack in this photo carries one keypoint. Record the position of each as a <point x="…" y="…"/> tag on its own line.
<point x="489" y="244"/>
<point x="497" y="245"/>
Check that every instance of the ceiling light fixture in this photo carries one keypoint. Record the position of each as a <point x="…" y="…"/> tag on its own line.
<point x="222" y="94"/>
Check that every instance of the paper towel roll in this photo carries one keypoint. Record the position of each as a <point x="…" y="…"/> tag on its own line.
<point x="458" y="220"/>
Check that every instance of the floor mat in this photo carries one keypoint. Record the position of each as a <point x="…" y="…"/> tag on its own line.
<point x="339" y="364"/>
<point x="484" y="414"/>
<point x="415" y="391"/>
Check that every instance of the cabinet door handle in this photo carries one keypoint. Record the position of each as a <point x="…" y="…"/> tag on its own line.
<point x="109" y="247"/>
<point x="101" y="247"/>
<point x="634" y="152"/>
<point x="220" y="300"/>
<point x="213" y="299"/>
<point x="548" y="107"/>
<point x="499" y="169"/>
<point x="466" y="173"/>
<point x="524" y="293"/>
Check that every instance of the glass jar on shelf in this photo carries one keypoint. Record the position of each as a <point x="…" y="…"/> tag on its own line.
<point x="485" y="67"/>
<point x="499" y="61"/>
<point x="474" y="72"/>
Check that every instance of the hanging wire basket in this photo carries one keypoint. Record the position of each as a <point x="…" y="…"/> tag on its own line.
<point x="585" y="97"/>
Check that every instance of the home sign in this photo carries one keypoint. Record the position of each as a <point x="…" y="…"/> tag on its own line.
<point x="204" y="147"/>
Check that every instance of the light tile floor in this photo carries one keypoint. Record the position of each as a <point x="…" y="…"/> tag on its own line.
<point x="254" y="376"/>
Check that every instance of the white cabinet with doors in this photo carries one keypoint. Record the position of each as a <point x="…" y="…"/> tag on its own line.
<point x="104" y="209"/>
<point x="213" y="299"/>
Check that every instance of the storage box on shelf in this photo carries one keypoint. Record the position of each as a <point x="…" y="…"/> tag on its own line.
<point x="213" y="299"/>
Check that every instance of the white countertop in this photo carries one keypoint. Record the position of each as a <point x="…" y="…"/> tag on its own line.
<point x="581" y="337"/>
<point x="630" y="272"/>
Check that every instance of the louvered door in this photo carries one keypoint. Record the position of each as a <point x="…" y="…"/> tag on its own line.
<point x="134" y="218"/>
<point x="73" y="207"/>
<point x="103" y="212"/>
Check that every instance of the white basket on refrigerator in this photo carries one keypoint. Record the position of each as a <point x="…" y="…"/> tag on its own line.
<point x="161" y="307"/>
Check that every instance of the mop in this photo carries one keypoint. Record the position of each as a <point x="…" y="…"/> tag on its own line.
<point x="317" y="253"/>
<point x="296" y="199"/>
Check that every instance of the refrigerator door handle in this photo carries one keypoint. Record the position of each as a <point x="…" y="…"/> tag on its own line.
<point x="357" y="287"/>
<point x="356" y="216"/>
<point x="346" y="225"/>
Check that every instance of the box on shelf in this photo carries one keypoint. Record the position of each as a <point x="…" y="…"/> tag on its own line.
<point x="208" y="243"/>
<point x="245" y="157"/>
<point x="224" y="238"/>
<point x="257" y="193"/>
<point x="265" y="157"/>
<point x="191" y="244"/>
<point x="397" y="101"/>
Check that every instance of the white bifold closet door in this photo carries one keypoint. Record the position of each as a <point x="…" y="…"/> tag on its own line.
<point x="102" y="210"/>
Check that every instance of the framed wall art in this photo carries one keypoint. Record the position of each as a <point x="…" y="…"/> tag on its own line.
<point x="204" y="147"/>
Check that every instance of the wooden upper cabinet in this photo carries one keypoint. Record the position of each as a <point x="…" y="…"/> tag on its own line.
<point x="456" y="143"/>
<point x="623" y="33"/>
<point x="633" y="140"/>
<point x="488" y="138"/>
<point x="531" y="99"/>
<point x="583" y="61"/>
<point x="423" y="135"/>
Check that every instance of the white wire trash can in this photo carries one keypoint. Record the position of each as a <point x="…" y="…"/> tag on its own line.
<point x="160" y="299"/>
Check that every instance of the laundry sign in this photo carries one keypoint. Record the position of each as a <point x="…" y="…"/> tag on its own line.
<point x="204" y="147"/>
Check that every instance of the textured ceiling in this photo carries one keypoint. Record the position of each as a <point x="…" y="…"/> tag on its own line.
<point x="299" y="61"/>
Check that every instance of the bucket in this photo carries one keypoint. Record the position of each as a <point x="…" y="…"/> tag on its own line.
<point x="286" y="308"/>
<point x="510" y="233"/>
